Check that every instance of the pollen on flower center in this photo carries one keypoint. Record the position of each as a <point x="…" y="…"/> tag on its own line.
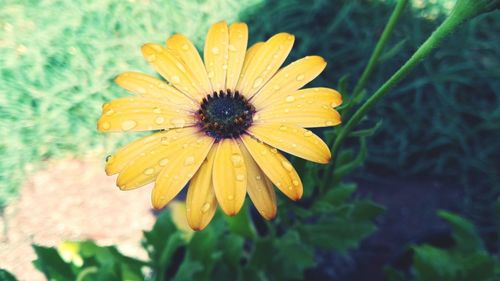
<point x="225" y="114"/>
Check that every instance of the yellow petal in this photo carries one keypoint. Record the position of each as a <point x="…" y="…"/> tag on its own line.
<point x="183" y="165"/>
<point x="250" y="54"/>
<point x="216" y="55"/>
<point x="191" y="58"/>
<point x="266" y="62"/>
<point x="178" y="212"/>
<point x="299" y="112"/>
<point x="172" y="69"/>
<point x="147" y="86"/>
<point x="229" y="176"/>
<point x="142" y="114"/>
<point x="276" y="167"/>
<point x="200" y="201"/>
<point x="260" y="189"/>
<point x="289" y="79"/>
<point x="238" y="39"/>
<point x="133" y="150"/>
<point x="294" y="140"/>
<point x="145" y="167"/>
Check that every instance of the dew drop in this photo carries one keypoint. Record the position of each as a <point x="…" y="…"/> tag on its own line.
<point x="240" y="177"/>
<point x="211" y="74"/>
<point x="205" y="207"/>
<point x="185" y="47"/>
<point x="258" y="81"/>
<point x="287" y="165"/>
<point x="110" y="112"/>
<point x="257" y="178"/>
<point x="149" y="171"/>
<point x="283" y="128"/>
<point x="178" y="122"/>
<point x="295" y="182"/>
<point x="128" y="125"/>
<point x="237" y="160"/>
<point x="274" y="150"/>
<point x="109" y="158"/>
<point x="307" y="133"/>
<point x="300" y="77"/>
<point x="176" y="79"/>
<point x="215" y="51"/>
<point x="163" y="162"/>
<point x="289" y="98"/>
<point x="224" y="66"/>
<point x="189" y="161"/>
<point x="230" y="197"/>
<point x="232" y="48"/>
<point x="289" y="187"/>
<point x="164" y="141"/>
<point x="159" y="120"/>
<point x="105" y="126"/>
<point x="329" y="123"/>
<point x="157" y="110"/>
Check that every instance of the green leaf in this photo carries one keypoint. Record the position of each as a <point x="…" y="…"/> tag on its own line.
<point x="395" y="50"/>
<point x="339" y="194"/>
<point x="162" y="242"/>
<point x="290" y="257"/>
<point x="364" y="210"/>
<point x="463" y="232"/>
<point x="188" y="270"/>
<point x="6" y="276"/>
<point x="393" y="275"/>
<point x="431" y="263"/>
<point x="52" y="265"/>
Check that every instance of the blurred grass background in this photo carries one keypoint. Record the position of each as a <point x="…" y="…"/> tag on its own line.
<point x="58" y="59"/>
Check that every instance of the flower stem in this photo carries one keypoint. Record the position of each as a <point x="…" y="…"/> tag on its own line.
<point x="372" y="62"/>
<point x="436" y="38"/>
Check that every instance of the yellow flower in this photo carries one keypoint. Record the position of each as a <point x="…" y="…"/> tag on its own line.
<point x="219" y="122"/>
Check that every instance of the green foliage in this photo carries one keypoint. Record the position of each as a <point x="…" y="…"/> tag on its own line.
<point x="86" y="261"/>
<point x="6" y="276"/>
<point x="466" y="260"/>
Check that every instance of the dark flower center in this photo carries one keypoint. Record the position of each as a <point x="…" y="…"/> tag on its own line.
<point x="225" y="114"/>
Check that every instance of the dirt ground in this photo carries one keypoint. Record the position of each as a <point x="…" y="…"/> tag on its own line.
<point x="71" y="200"/>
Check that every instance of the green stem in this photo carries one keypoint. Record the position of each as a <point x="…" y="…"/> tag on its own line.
<point x="372" y="62"/>
<point x="425" y="49"/>
<point x="87" y="271"/>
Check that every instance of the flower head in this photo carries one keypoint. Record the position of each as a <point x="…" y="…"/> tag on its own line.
<point x="218" y="123"/>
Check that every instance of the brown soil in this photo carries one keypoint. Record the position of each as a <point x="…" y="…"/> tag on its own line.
<point x="71" y="200"/>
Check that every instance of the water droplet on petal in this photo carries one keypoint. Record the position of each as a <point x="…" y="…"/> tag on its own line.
<point x="329" y="123"/>
<point x="283" y="128"/>
<point x="240" y="177"/>
<point x="230" y="197"/>
<point x="295" y="182"/>
<point x="105" y="126"/>
<point x="211" y="74"/>
<point x="274" y="150"/>
<point x="215" y="51"/>
<point x="149" y="171"/>
<point x="189" y="161"/>
<point x="287" y="165"/>
<point x="128" y="125"/>
<point x="237" y="160"/>
<point x="257" y="178"/>
<point x="110" y="112"/>
<point x="185" y="47"/>
<point x="163" y="162"/>
<point x="109" y="158"/>
<point x="232" y="48"/>
<point x="175" y="79"/>
<point x="178" y="122"/>
<point x="300" y="77"/>
<point x="159" y="120"/>
<point x="205" y="207"/>
<point x="258" y="81"/>
<point x="157" y="110"/>
<point x="289" y="98"/>
<point x="164" y="141"/>
<point x="307" y="133"/>
<point x="151" y="57"/>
